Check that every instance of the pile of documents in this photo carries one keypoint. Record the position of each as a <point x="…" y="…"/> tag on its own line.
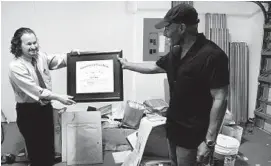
<point x="139" y="139"/>
<point x="156" y="105"/>
<point x="140" y="124"/>
<point x="129" y="131"/>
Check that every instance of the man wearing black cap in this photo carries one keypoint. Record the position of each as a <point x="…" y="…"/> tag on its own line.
<point x="198" y="77"/>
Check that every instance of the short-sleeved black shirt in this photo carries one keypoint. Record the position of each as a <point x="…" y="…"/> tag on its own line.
<point x="204" y="67"/>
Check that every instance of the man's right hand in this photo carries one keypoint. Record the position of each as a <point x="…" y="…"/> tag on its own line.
<point x="66" y="100"/>
<point x="75" y="51"/>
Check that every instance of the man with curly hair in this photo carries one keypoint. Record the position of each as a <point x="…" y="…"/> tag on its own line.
<point x="31" y="82"/>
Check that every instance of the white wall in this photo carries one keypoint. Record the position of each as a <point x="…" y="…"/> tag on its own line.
<point x="255" y="46"/>
<point x="245" y="23"/>
<point x="62" y="26"/>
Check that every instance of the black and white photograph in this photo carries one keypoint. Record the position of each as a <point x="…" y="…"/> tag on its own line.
<point x="135" y="83"/>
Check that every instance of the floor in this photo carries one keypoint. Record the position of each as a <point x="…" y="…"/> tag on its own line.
<point x="255" y="149"/>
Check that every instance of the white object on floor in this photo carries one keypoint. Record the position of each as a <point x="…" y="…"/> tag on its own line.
<point x="119" y="157"/>
<point x="132" y="138"/>
<point x="84" y="143"/>
<point x="145" y="128"/>
<point x="226" y="145"/>
<point x="21" y="154"/>
<point x="85" y="125"/>
<point x="245" y="158"/>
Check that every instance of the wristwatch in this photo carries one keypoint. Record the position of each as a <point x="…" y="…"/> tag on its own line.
<point x="209" y="143"/>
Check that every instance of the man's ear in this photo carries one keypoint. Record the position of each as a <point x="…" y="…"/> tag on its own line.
<point x="182" y="28"/>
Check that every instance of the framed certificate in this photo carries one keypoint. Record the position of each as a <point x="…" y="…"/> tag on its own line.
<point x="95" y="76"/>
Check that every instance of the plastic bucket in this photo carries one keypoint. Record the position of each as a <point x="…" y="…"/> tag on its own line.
<point x="226" y="150"/>
<point x="233" y="131"/>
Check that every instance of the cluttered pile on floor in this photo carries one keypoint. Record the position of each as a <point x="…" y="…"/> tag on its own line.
<point x="135" y="135"/>
<point x="130" y="131"/>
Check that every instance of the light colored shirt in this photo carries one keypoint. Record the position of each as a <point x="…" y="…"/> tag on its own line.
<point x="24" y="80"/>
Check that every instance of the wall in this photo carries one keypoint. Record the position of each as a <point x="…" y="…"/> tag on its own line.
<point x="255" y="46"/>
<point x="62" y="26"/>
<point x="244" y="25"/>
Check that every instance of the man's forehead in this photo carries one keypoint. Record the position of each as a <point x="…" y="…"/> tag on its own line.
<point x="173" y="24"/>
<point x="28" y="37"/>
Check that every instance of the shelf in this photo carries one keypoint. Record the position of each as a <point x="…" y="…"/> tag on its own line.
<point x="267" y="27"/>
<point x="264" y="79"/>
<point x="266" y="53"/>
<point x="258" y="112"/>
<point x="265" y="101"/>
<point x="265" y="85"/>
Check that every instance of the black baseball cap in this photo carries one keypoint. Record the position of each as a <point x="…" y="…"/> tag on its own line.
<point x="182" y="13"/>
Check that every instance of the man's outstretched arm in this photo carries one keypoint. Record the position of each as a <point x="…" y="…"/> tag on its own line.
<point x="144" y="68"/>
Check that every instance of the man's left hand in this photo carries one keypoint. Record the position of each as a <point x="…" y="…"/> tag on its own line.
<point x="203" y="152"/>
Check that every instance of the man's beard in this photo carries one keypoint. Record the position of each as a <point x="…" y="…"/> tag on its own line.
<point x="177" y="41"/>
<point x="34" y="51"/>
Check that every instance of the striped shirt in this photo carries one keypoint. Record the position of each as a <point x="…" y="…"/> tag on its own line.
<point x="24" y="80"/>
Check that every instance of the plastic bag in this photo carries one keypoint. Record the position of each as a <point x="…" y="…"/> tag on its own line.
<point x="133" y="113"/>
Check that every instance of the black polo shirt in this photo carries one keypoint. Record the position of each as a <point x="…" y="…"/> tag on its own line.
<point x="204" y="67"/>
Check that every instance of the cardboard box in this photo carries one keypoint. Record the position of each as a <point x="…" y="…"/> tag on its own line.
<point x="157" y="143"/>
<point x="116" y="136"/>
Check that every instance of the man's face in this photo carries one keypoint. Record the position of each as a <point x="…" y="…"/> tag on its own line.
<point x="174" y="32"/>
<point x="30" y="46"/>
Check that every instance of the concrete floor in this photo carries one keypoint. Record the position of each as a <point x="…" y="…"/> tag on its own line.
<point x="255" y="149"/>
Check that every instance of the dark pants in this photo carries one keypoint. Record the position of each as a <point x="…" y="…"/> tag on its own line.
<point x="181" y="156"/>
<point x="35" y="123"/>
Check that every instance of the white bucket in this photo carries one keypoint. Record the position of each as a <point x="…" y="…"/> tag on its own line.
<point x="226" y="149"/>
<point x="233" y="131"/>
